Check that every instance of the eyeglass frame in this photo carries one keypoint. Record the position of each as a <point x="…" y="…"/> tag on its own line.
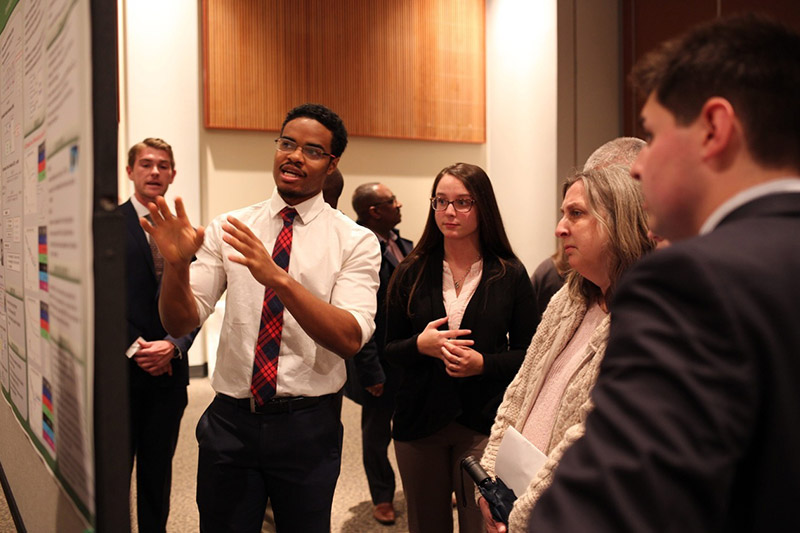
<point x="435" y="199"/>
<point x="302" y="149"/>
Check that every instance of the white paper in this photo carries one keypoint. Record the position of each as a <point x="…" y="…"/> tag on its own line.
<point x="518" y="461"/>
<point x="133" y="348"/>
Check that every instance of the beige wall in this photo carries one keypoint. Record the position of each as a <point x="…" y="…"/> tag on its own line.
<point x="239" y="167"/>
<point x="552" y="80"/>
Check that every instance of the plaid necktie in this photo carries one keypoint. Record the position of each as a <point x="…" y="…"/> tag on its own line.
<point x="265" y="365"/>
<point x="158" y="259"/>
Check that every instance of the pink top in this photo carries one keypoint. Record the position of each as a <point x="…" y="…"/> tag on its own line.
<point x="456" y="305"/>
<point x="539" y="424"/>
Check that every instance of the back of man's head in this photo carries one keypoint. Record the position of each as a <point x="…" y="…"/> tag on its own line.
<point x="752" y="62"/>
<point x="621" y="151"/>
<point x="332" y="188"/>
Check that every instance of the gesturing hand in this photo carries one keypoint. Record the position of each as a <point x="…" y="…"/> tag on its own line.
<point x="431" y="340"/>
<point x="254" y="256"/>
<point x="461" y="361"/>
<point x="175" y="237"/>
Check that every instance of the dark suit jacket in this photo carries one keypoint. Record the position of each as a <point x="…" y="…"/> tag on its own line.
<point x="502" y="317"/>
<point x="368" y="367"/>
<point x="142" y="306"/>
<point x="697" y="418"/>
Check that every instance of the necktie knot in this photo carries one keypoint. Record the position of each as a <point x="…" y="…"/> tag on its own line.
<point x="288" y="214"/>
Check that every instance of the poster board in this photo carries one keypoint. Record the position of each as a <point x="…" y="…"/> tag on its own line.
<point x="48" y="204"/>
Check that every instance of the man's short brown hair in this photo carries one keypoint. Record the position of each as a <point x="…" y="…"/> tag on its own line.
<point x="751" y="61"/>
<point x="152" y="142"/>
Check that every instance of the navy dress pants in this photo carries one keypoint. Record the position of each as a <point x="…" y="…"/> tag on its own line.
<point x="156" y="414"/>
<point x="290" y="458"/>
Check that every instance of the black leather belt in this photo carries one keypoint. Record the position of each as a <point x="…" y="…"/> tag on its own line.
<point x="275" y="405"/>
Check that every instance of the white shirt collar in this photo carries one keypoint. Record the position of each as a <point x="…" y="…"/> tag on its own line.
<point x="140" y="208"/>
<point x="777" y="186"/>
<point x="307" y="210"/>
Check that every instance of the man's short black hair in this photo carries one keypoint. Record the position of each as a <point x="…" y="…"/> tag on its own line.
<point x="327" y="118"/>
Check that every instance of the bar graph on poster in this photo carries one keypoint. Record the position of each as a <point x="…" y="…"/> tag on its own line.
<point x="46" y="315"/>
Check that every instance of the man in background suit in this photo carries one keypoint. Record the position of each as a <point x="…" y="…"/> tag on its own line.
<point x="371" y="381"/>
<point x="159" y="367"/>
<point x="697" y="402"/>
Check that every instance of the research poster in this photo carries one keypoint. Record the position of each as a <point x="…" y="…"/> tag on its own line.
<point x="46" y="285"/>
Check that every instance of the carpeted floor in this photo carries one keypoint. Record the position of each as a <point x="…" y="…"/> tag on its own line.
<point x="352" y="507"/>
<point x="6" y="522"/>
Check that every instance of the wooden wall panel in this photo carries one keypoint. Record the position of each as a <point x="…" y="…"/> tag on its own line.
<point x="412" y="69"/>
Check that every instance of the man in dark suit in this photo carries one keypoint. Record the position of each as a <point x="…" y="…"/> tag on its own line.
<point x="695" y="425"/>
<point x="159" y="367"/>
<point x="371" y="381"/>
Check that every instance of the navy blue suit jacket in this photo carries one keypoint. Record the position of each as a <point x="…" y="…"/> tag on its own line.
<point x="142" y="291"/>
<point x="368" y="367"/>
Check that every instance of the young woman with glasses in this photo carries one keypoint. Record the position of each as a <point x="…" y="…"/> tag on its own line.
<point x="460" y="315"/>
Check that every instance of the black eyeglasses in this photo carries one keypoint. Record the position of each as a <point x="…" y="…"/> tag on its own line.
<point x="462" y="205"/>
<point x="391" y="200"/>
<point x="312" y="153"/>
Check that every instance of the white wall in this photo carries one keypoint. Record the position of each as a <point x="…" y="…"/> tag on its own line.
<point x="239" y="167"/>
<point x="527" y="146"/>
<point x="521" y="80"/>
<point x="160" y="88"/>
<point x="160" y="92"/>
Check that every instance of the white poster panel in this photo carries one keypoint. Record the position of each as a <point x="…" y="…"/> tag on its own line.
<point x="46" y="286"/>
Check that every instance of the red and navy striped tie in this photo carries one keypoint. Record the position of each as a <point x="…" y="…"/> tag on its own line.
<point x="265" y="366"/>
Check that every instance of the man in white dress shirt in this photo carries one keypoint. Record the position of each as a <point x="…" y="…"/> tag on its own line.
<point x="284" y="445"/>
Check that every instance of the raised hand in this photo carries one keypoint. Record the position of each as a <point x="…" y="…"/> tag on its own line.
<point x="431" y="340"/>
<point x="461" y="361"/>
<point x="176" y="238"/>
<point x="253" y="253"/>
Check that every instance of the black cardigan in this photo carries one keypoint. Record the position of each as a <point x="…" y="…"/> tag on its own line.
<point x="502" y="317"/>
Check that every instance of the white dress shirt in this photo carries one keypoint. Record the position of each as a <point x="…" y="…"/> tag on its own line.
<point x="141" y="212"/>
<point x="333" y="257"/>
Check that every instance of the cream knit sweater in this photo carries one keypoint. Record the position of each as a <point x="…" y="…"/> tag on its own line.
<point x="559" y="322"/>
